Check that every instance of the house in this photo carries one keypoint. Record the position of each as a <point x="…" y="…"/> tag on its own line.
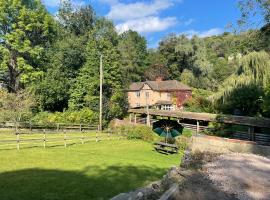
<point x="159" y="94"/>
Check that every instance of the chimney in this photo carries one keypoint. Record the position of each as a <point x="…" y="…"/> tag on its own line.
<point x="159" y="78"/>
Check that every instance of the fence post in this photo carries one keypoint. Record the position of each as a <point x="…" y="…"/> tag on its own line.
<point x="18" y="140"/>
<point x="135" y="119"/>
<point x="30" y="126"/>
<point x="198" y="127"/>
<point x="251" y="133"/>
<point x="57" y="126"/>
<point x="65" y="138"/>
<point x="80" y="127"/>
<point x="96" y="136"/>
<point x="44" y="138"/>
<point x="130" y="118"/>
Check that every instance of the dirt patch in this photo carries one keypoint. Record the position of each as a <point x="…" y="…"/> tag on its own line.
<point x="245" y="175"/>
<point x="210" y="176"/>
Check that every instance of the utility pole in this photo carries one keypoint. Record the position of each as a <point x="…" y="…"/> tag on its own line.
<point x="100" y="93"/>
<point x="147" y="109"/>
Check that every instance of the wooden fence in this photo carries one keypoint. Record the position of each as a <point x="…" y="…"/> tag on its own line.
<point x="53" y="126"/>
<point x="259" y="138"/>
<point x="18" y="135"/>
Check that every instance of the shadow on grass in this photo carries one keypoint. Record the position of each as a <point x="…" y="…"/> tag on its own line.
<point x="91" y="183"/>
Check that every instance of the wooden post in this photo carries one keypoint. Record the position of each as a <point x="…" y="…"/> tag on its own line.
<point x="44" y="139"/>
<point x="30" y="126"/>
<point x="82" y="139"/>
<point x="130" y="118"/>
<point x="100" y="92"/>
<point x="57" y="126"/>
<point x="135" y="119"/>
<point x="251" y="133"/>
<point x="65" y="138"/>
<point x="18" y="140"/>
<point x="80" y="127"/>
<point x="198" y="127"/>
<point x="148" y="122"/>
<point x="96" y="136"/>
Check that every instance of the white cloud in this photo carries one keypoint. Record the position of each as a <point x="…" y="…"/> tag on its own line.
<point x="146" y="24"/>
<point x="202" y="34"/>
<point x="121" y="11"/>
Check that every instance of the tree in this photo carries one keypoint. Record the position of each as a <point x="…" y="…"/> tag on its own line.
<point x="78" y="20"/>
<point x="133" y="51"/>
<point x="85" y="91"/>
<point x="16" y="107"/>
<point x="252" y="11"/>
<point x="253" y="75"/>
<point x="25" y="30"/>
<point x="155" y="71"/>
<point x="52" y="93"/>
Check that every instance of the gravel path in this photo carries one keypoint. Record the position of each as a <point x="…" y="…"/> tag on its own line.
<point x="247" y="176"/>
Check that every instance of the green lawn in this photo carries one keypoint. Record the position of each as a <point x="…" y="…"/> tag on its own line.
<point x="89" y="171"/>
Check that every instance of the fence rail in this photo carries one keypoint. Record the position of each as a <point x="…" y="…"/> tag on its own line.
<point x="259" y="138"/>
<point x="20" y="140"/>
<point x="53" y="126"/>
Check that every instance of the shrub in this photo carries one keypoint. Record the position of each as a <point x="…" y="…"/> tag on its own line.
<point x="82" y="116"/>
<point x="182" y="140"/>
<point x="139" y="132"/>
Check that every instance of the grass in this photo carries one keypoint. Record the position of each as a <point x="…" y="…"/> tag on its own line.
<point x="91" y="171"/>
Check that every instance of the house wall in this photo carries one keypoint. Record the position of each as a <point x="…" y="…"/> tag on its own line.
<point x="154" y="96"/>
<point x="178" y="98"/>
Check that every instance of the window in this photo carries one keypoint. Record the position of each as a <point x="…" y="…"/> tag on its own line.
<point x="147" y="95"/>
<point x="138" y="105"/>
<point x="167" y="107"/>
<point x="138" y="94"/>
<point x="169" y="96"/>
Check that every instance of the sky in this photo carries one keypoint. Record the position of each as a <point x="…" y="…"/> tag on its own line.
<point x="155" y="19"/>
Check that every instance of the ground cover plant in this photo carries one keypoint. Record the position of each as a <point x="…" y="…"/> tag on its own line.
<point x="90" y="171"/>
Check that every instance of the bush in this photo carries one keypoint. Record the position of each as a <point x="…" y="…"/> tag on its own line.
<point x="218" y="129"/>
<point x="139" y="132"/>
<point x="199" y="101"/>
<point x="182" y="140"/>
<point x="82" y="116"/>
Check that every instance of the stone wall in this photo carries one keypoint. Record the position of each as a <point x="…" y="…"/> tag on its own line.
<point x="213" y="144"/>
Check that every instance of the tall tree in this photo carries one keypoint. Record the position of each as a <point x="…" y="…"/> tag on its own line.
<point x="253" y="75"/>
<point x="26" y="29"/>
<point x="133" y="51"/>
<point x="77" y="20"/>
<point x="85" y="91"/>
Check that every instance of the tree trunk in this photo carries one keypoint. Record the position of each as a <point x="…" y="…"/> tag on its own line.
<point x="14" y="84"/>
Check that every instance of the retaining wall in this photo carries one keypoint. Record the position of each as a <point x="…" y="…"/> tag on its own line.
<point x="223" y="145"/>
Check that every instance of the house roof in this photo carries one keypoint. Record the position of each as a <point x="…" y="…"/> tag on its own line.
<point x="163" y="102"/>
<point x="170" y="85"/>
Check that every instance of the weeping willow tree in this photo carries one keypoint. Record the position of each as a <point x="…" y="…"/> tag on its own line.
<point x="253" y="70"/>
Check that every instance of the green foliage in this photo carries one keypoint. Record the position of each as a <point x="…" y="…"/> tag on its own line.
<point x="199" y="102"/>
<point x="133" y="53"/>
<point x="218" y="129"/>
<point x="244" y="89"/>
<point x="16" y="107"/>
<point x="76" y="20"/>
<point x="266" y="102"/>
<point x="84" y="115"/>
<point x="26" y="29"/>
<point x="140" y="132"/>
<point x="85" y="91"/>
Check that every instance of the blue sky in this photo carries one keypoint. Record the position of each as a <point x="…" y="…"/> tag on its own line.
<point x="155" y="19"/>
